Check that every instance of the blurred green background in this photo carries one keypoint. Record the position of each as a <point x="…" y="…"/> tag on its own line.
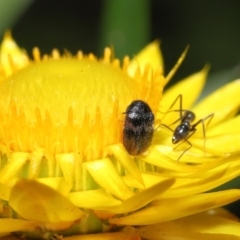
<point x="211" y="28"/>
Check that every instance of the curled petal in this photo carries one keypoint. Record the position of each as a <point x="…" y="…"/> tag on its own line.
<point x="174" y="208"/>
<point x="199" y="224"/>
<point x="35" y="201"/>
<point x="142" y="198"/>
<point x="87" y="199"/>
<point x="210" y="176"/>
<point x="8" y="225"/>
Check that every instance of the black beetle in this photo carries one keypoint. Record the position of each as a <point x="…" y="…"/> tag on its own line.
<point x="138" y="127"/>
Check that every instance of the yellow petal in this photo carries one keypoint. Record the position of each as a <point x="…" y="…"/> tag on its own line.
<point x="190" y="88"/>
<point x="189" y="235"/>
<point x="128" y="233"/>
<point x="158" y="232"/>
<point x="141" y="199"/>
<point x="227" y="166"/>
<point x="219" y="116"/>
<point x="13" y="166"/>
<point x="226" y="143"/>
<point x="104" y="173"/>
<point x="4" y="192"/>
<point x="211" y="224"/>
<point x="57" y="183"/>
<point x="67" y="163"/>
<point x="157" y="157"/>
<point x="224" y="103"/>
<point x="35" y="161"/>
<point x="87" y="199"/>
<point x="223" y="213"/>
<point x="38" y="202"/>
<point x="197" y="154"/>
<point x="176" y="66"/>
<point x="120" y="153"/>
<point x="8" y="225"/>
<point x="210" y="176"/>
<point x="11" y="56"/>
<point x="150" y="54"/>
<point x="174" y="208"/>
<point x="149" y="178"/>
<point x="227" y="127"/>
<point x="204" y="181"/>
<point x="200" y="226"/>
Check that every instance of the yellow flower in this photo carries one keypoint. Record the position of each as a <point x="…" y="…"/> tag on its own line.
<point x="64" y="170"/>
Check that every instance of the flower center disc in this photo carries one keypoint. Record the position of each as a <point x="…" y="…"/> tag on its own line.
<point x="42" y="100"/>
<point x="56" y="85"/>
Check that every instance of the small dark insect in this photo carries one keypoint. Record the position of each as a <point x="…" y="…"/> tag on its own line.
<point x="186" y="129"/>
<point x="138" y="127"/>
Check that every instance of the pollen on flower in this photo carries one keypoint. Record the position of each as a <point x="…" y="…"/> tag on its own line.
<point x="63" y="109"/>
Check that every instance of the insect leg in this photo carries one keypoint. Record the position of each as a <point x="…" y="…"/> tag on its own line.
<point x="204" y="129"/>
<point x="179" y="97"/>
<point x="185" y="140"/>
